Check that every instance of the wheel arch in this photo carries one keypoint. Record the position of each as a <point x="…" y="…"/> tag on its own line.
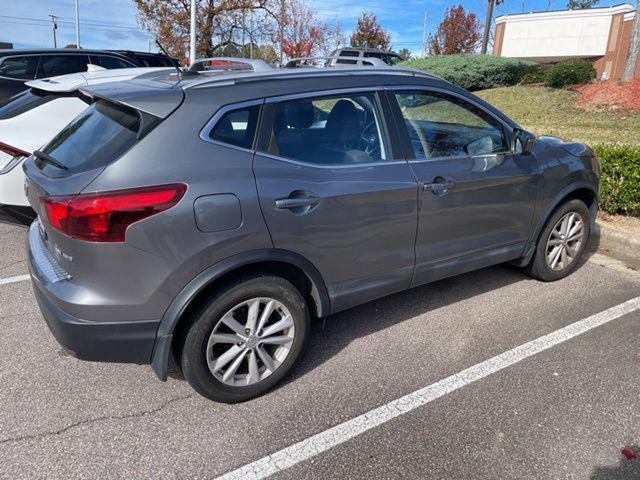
<point x="289" y="265"/>
<point x="583" y="191"/>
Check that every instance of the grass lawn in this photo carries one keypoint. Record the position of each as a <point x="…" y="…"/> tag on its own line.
<point x="547" y="111"/>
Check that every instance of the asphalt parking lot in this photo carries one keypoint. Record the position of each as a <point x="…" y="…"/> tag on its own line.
<point x="555" y="410"/>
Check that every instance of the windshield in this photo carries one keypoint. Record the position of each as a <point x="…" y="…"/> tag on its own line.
<point x="100" y="134"/>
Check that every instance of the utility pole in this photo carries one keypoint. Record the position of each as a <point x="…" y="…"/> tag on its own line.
<point x="487" y="27"/>
<point x="192" y="45"/>
<point x="77" y="24"/>
<point x="424" y="35"/>
<point x="281" y="27"/>
<point x="251" y="34"/>
<point x="54" y="27"/>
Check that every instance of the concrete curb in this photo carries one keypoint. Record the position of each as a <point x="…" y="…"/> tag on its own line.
<point x="616" y="242"/>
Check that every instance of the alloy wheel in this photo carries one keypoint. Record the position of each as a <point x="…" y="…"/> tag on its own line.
<point x="250" y="342"/>
<point x="565" y="241"/>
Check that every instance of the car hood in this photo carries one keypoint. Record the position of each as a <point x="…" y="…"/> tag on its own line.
<point x="576" y="149"/>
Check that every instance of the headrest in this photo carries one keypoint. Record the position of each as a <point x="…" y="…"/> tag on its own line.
<point x="343" y="122"/>
<point x="297" y="114"/>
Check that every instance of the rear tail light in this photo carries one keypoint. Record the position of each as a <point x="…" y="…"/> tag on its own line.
<point x="17" y="154"/>
<point x="105" y="216"/>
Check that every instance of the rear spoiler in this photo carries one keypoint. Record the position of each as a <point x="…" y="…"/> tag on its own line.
<point x="155" y="98"/>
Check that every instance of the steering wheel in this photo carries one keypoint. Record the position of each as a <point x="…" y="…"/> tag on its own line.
<point x="369" y="142"/>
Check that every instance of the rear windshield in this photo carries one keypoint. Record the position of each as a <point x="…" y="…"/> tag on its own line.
<point x="99" y="135"/>
<point x="25" y="101"/>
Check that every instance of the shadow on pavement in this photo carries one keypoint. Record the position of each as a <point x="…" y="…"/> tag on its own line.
<point x="625" y="470"/>
<point x="331" y="335"/>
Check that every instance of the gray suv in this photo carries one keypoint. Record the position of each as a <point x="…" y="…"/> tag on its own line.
<point x="204" y="219"/>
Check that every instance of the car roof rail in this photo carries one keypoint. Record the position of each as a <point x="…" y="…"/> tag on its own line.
<point x="234" y="64"/>
<point x="372" y="61"/>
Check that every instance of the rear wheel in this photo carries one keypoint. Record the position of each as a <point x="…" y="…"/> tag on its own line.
<point x="561" y="243"/>
<point x="246" y="339"/>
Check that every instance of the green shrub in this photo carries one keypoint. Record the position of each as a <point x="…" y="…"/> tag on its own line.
<point x="570" y="72"/>
<point x="620" y="180"/>
<point x="473" y="72"/>
<point x="535" y="74"/>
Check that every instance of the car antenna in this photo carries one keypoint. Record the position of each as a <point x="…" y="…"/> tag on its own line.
<point x="167" y="54"/>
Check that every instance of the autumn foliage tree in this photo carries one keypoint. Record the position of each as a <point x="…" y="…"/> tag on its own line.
<point x="459" y="32"/>
<point x="304" y="34"/>
<point x="369" y="33"/>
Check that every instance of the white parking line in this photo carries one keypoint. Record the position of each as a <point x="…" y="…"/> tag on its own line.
<point x="323" y="441"/>
<point x="20" y="278"/>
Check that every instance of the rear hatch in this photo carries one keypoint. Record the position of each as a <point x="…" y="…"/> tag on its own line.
<point x="98" y="136"/>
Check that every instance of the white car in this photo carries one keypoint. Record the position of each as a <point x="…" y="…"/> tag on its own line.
<point x="32" y="118"/>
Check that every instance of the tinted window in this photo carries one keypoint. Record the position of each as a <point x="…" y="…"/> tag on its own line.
<point x="19" y="67"/>
<point x="54" y="65"/>
<point x="441" y="125"/>
<point x="330" y="130"/>
<point x="99" y="135"/>
<point x="23" y="102"/>
<point x="152" y="61"/>
<point x="237" y="127"/>
<point x="109" y="62"/>
<point x="348" y="53"/>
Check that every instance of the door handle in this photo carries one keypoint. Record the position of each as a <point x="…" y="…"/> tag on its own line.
<point x="439" y="186"/>
<point x="297" y="202"/>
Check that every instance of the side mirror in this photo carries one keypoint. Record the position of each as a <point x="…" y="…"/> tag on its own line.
<point x="522" y="141"/>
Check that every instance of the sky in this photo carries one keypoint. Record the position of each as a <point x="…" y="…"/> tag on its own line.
<point x="112" y="23"/>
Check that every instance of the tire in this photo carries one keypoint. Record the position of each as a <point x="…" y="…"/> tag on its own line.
<point x="540" y="266"/>
<point x="201" y="371"/>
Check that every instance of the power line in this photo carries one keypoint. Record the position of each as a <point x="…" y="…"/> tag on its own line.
<point x="90" y="23"/>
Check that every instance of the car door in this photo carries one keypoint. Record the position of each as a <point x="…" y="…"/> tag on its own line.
<point x="333" y="190"/>
<point x="476" y="195"/>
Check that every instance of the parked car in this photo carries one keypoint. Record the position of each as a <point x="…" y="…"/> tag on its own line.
<point x="20" y="66"/>
<point x="358" y="53"/>
<point x="148" y="59"/>
<point x="209" y="220"/>
<point x="32" y="119"/>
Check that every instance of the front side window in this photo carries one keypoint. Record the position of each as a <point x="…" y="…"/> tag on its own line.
<point x="330" y="130"/>
<point x="19" y="67"/>
<point x="54" y="65"/>
<point x="441" y="125"/>
<point x="237" y="127"/>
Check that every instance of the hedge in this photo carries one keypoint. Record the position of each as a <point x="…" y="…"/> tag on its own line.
<point x="473" y="72"/>
<point x="570" y="72"/>
<point x="620" y="180"/>
<point x="535" y="74"/>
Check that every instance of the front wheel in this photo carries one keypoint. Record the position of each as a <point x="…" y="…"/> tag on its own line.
<point x="561" y="243"/>
<point x="246" y="339"/>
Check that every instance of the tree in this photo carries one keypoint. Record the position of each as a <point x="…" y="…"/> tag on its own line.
<point x="218" y="23"/>
<point x="405" y="54"/>
<point x="581" y="4"/>
<point x="459" y="32"/>
<point x="71" y="45"/>
<point x="369" y="33"/>
<point x="303" y="34"/>
<point x="634" y="49"/>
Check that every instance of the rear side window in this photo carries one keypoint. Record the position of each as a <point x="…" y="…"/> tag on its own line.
<point x="237" y="127"/>
<point x="19" y="67"/>
<point x="152" y="61"/>
<point x="348" y="53"/>
<point x="54" y="65"/>
<point x="108" y="62"/>
<point x="99" y="135"/>
<point x="25" y="101"/>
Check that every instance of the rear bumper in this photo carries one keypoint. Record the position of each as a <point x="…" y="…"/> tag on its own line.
<point x="122" y="341"/>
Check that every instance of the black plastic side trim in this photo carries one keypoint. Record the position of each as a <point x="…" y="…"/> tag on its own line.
<point x="161" y="350"/>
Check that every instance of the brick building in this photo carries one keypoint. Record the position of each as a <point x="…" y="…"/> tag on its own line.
<point x="600" y="35"/>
